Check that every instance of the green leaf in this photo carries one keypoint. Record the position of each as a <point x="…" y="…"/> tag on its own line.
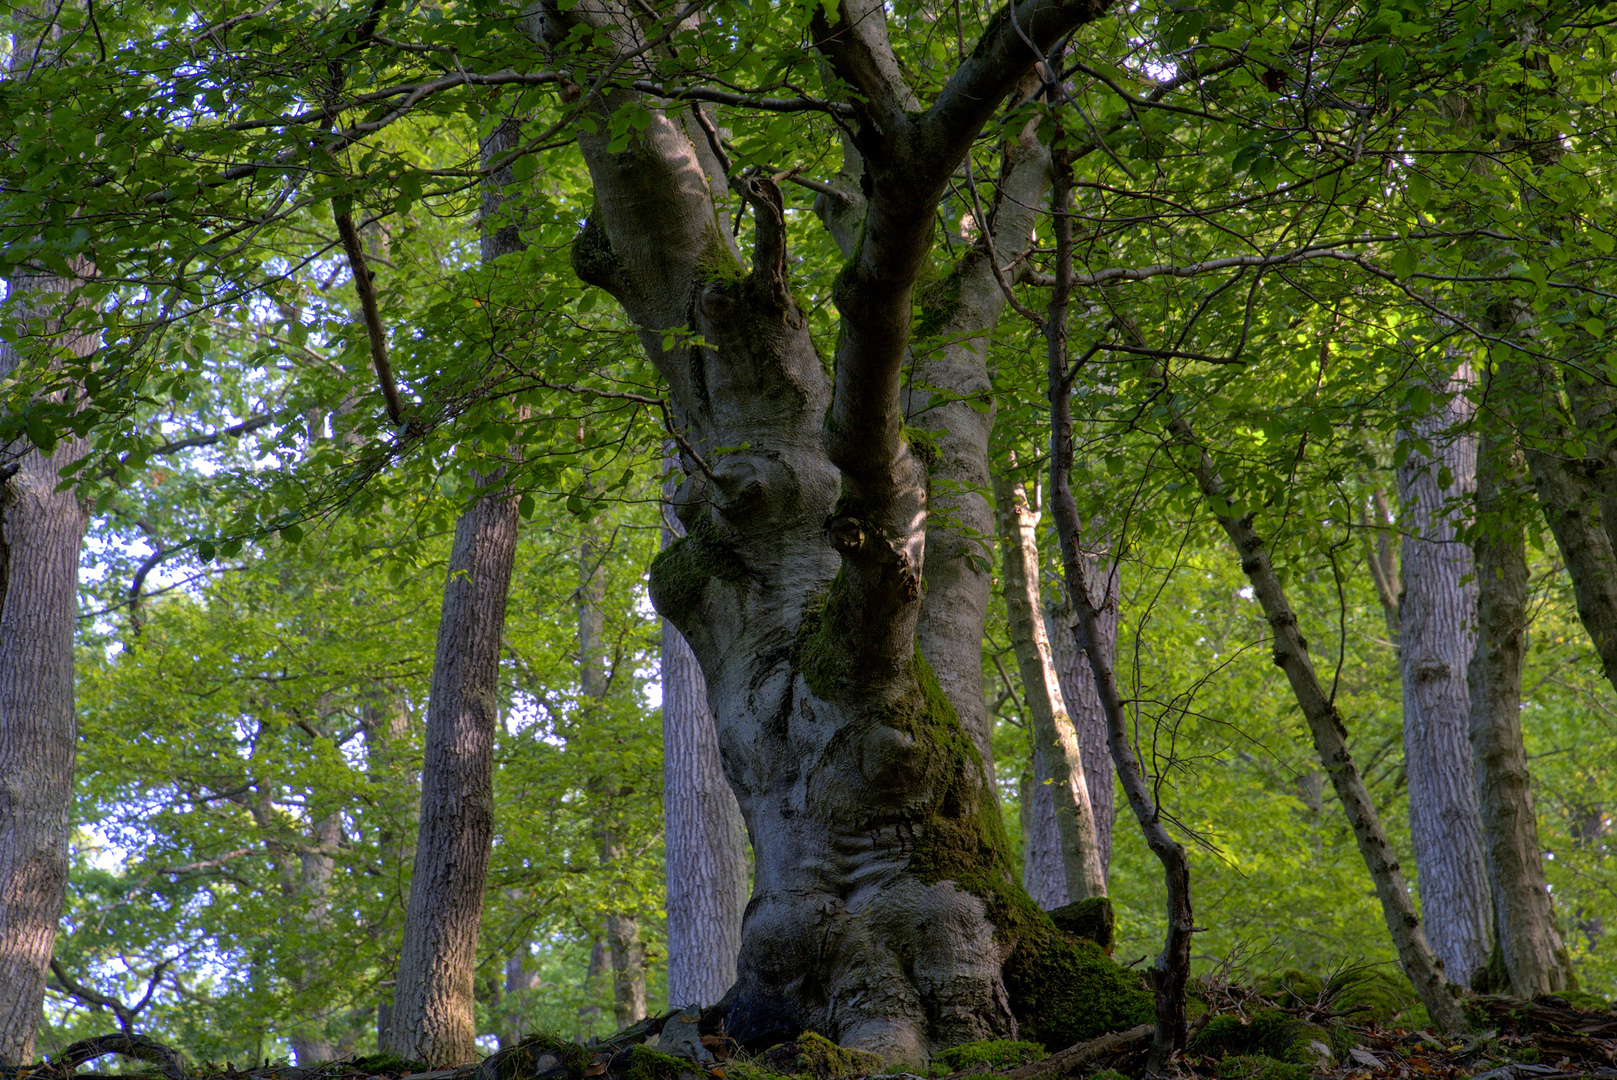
<point x="291" y="533"/>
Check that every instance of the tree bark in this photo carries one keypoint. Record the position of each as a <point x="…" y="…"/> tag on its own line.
<point x="1055" y="741"/>
<point x="1420" y="964"/>
<point x="41" y="530"/>
<point x="883" y="907"/>
<point x="1437" y="617"/>
<point x="432" y="1019"/>
<point x="1534" y="957"/>
<point x="704" y="838"/>
<point x="1079" y="693"/>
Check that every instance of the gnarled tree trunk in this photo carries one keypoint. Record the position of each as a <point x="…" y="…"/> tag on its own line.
<point x="883" y="909"/>
<point x="1437" y="619"/>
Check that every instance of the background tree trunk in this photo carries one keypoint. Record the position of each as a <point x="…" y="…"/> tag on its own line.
<point x="1524" y="919"/>
<point x="1078" y="689"/>
<point x="1054" y="740"/>
<point x="1437" y="631"/>
<point x="704" y="838"/>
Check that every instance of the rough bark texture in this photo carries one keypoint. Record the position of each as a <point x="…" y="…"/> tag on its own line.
<point x="431" y="1018"/>
<point x="40" y="533"/>
<point x="1437" y="618"/>
<point x="704" y="838"/>
<point x="882" y="910"/>
<point x="1420" y="964"/>
<point x="1055" y="741"/>
<point x="1078" y="690"/>
<point x="432" y="1008"/>
<point x="1529" y="944"/>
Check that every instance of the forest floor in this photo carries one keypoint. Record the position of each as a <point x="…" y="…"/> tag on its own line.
<point x="1239" y="1035"/>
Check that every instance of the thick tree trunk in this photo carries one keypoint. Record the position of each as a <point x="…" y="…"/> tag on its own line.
<point x="704" y="838"/>
<point x="40" y="533"/>
<point x="1437" y="630"/>
<point x="1524" y="919"/>
<point x="1420" y="964"/>
<point x="41" y="530"/>
<point x="1055" y="741"/>
<point x="883" y="908"/>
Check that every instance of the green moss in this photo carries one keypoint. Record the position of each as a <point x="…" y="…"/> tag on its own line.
<point x="1375" y="993"/>
<point x="938" y="302"/>
<point x="1585" y="1002"/>
<point x="1258" y="1067"/>
<point x="647" y="1064"/>
<point x="994" y="1053"/>
<point x="1092" y="919"/>
<point x="924" y="445"/>
<point x="1066" y="991"/>
<point x="1343" y="1038"/>
<point x="1270" y="1033"/>
<point x="717" y="264"/>
<point x="1292" y="987"/>
<point x="814" y="1056"/>
<point x="681" y="571"/>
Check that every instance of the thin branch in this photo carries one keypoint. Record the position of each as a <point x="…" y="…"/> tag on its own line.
<point x="366" y="288"/>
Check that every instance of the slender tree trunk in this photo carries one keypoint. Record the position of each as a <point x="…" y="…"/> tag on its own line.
<point x="704" y="838"/>
<point x="1171" y="972"/>
<point x="432" y="1011"/>
<point x="309" y="889"/>
<point x="1524" y="918"/>
<point x="432" y="1017"/>
<point x="1437" y="630"/>
<point x="628" y="955"/>
<point x="1330" y="739"/>
<point x="1078" y="688"/>
<point x="1055" y="740"/>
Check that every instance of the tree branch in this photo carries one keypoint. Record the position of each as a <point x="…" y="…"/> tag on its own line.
<point x="366" y="288"/>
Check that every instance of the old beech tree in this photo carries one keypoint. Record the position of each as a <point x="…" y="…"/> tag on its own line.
<point x="883" y="913"/>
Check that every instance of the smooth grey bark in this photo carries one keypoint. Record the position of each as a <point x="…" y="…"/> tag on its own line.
<point x="799" y="584"/>
<point x="1437" y="616"/>
<point x="1529" y="942"/>
<point x="1415" y="955"/>
<point x="1055" y="741"/>
<point x="704" y="837"/>
<point x="432" y="1019"/>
